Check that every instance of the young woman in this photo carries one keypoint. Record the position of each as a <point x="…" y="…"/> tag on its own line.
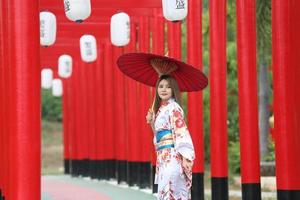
<point x="173" y="143"/>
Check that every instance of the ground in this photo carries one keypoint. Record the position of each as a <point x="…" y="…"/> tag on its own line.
<point x="52" y="148"/>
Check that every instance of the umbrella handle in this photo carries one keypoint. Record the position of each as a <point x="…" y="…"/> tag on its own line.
<point x="153" y="103"/>
<point x="152" y="106"/>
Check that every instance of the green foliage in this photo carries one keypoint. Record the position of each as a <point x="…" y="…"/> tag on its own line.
<point x="263" y="18"/>
<point x="206" y="124"/>
<point x="183" y="41"/>
<point x="231" y="20"/>
<point x="232" y="92"/>
<point x="234" y="157"/>
<point x="205" y="29"/>
<point x="51" y="106"/>
<point x="271" y="150"/>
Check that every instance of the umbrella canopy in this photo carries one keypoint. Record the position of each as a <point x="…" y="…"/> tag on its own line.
<point x="146" y="68"/>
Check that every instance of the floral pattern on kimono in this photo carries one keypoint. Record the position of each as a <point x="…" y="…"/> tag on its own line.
<point x="174" y="182"/>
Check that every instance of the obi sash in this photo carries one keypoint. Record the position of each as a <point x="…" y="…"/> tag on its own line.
<point x="164" y="139"/>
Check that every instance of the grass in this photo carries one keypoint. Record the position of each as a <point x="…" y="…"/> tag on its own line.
<point x="52" y="148"/>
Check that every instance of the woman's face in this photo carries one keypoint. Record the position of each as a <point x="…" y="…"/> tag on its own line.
<point x="164" y="90"/>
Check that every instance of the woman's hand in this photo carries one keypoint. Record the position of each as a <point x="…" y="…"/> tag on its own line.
<point x="150" y="117"/>
<point x="187" y="164"/>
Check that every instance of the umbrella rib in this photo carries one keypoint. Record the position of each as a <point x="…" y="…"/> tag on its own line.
<point x="193" y="77"/>
<point x="198" y="75"/>
<point x="180" y="80"/>
<point x="139" y="72"/>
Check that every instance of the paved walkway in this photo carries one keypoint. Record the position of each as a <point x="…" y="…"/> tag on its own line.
<point x="67" y="188"/>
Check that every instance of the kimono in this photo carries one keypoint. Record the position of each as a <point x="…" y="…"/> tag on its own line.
<point x="174" y="182"/>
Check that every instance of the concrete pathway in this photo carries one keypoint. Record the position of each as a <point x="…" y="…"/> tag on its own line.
<point x="68" y="188"/>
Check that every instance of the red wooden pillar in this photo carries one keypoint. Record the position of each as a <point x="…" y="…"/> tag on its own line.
<point x="71" y="125"/>
<point x="132" y="117"/>
<point x="82" y="133"/>
<point x="286" y="44"/>
<point x="195" y="101"/>
<point x="5" y="66"/>
<point x="120" y="129"/>
<point x="5" y="137"/>
<point x="144" y="104"/>
<point x="158" y="26"/>
<point x="174" y="39"/>
<point x="109" y="110"/>
<point x="3" y="85"/>
<point x="83" y="137"/>
<point x="248" y="109"/>
<point x="100" y="131"/>
<point x="75" y="151"/>
<point x="68" y="147"/>
<point x="158" y="47"/>
<point x="91" y="109"/>
<point x="66" y="101"/>
<point x="2" y="131"/>
<point x="2" y="166"/>
<point x="24" y="99"/>
<point x="88" y="116"/>
<point x="78" y="143"/>
<point x="218" y="101"/>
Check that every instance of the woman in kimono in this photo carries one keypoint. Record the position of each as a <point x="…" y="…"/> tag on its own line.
<point x="173" y="143"/>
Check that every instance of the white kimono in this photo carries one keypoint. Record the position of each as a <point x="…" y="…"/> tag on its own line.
<point x="174" y="182"/>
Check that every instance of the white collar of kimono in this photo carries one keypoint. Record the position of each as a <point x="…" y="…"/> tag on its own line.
<point x="171" y="100"/>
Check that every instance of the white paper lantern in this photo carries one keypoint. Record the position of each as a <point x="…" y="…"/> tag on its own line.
<point x="47" y="28"/>
<point x="175" y="10"/>
<point x="46" y="79"/>
<point x="65" y="66"/>
<point x="88" y="48"/>
<point x="120" y="29"/>
<point x="77" y="10"/>
<point x="57" y="88"/>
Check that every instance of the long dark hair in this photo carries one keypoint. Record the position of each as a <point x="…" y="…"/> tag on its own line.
<point x="175" y="91"/>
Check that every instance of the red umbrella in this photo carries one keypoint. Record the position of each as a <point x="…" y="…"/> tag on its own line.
<point x="146" y="68"/>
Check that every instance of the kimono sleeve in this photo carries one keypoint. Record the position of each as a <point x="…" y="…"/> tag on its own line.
<point x="182" y="138"/>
